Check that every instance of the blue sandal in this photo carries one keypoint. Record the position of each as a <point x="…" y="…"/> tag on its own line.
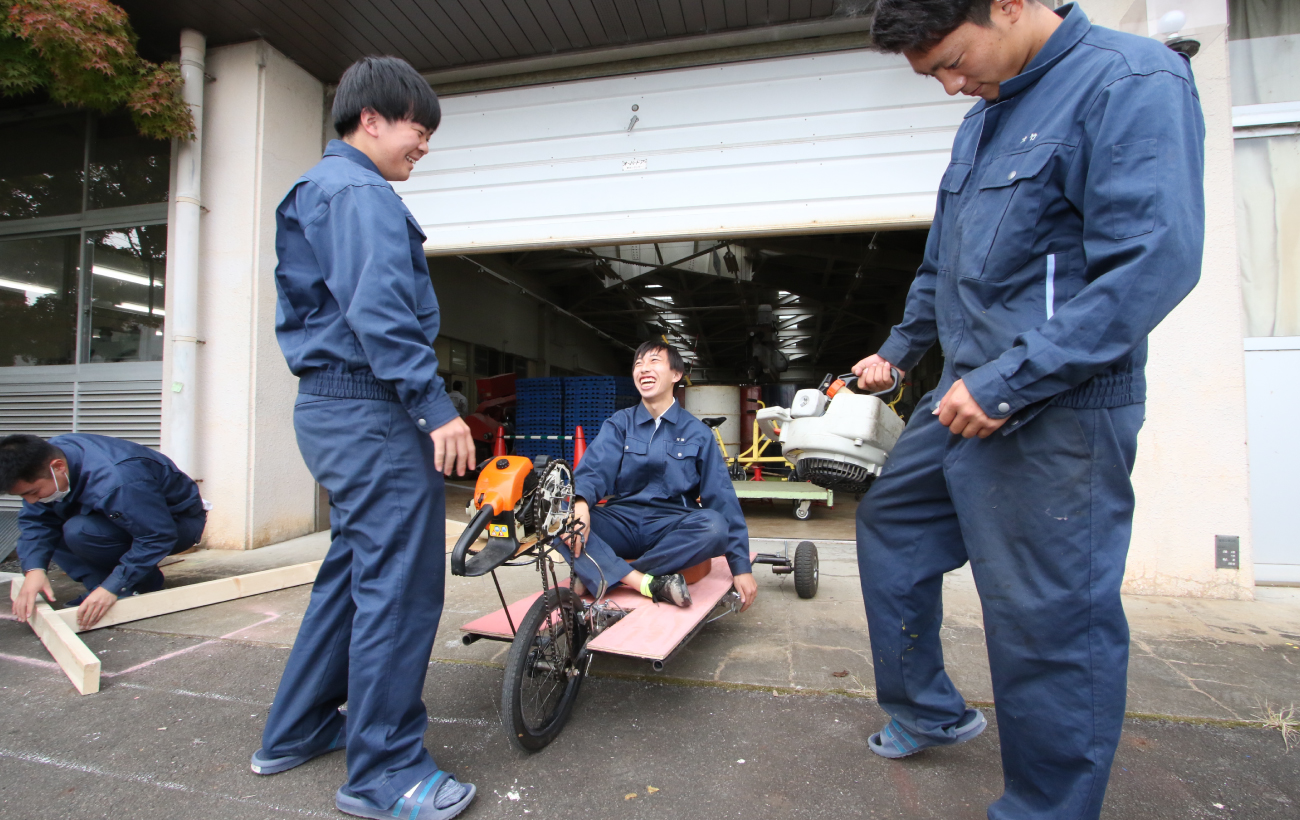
<point x="420" y="802"/>
<point x="261" y="764"/>
<point x="894" y="741"/>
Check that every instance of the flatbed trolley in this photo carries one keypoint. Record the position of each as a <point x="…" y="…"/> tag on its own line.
<point x="524" y="509"/>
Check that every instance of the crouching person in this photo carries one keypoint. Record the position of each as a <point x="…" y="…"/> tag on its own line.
<point x="105" y="510"/>
<point x="671" y="504"/>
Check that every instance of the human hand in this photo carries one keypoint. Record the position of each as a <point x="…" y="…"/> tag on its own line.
<point x="35" y="583"/>
<point x="581" y="511"/>
<point x="874" y="374"/>
<point x="453" y="447"/>
<point x="96" y="606"/>
<point x="747" y="588"/>
<point x="962" y="415"/>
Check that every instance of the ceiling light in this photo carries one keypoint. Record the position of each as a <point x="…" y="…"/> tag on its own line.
<point x="135" y="308"/>
<point x="123" y="276"/>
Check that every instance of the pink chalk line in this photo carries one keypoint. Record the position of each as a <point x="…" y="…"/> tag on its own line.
<point x="270" y="616"/>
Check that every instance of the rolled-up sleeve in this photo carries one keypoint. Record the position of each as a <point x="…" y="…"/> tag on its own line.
<point x="1140" y="190"/>
<point x="363" y="247"/>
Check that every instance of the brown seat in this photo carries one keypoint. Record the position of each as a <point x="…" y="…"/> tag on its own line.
<point x="696" y="573"/>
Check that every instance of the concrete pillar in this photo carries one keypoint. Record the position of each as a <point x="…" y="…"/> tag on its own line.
<point x="262" y="118"/>
<point x="1191" y="480"/>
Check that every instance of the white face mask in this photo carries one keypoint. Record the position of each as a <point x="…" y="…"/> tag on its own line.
<point x="58" y="494"/>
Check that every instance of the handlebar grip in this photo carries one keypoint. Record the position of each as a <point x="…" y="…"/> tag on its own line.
<point x="468" y="536"/>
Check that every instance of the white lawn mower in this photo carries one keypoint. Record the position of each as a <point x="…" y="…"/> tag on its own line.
<point x="834" y="437"/>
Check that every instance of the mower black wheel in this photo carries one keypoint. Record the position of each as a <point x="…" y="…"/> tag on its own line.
<point x="542" y="671"/>
<point x="803" y="509"/>
<point x="806" y="573"/>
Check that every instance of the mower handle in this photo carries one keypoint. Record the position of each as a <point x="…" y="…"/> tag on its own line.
<point x="851" y="380"/>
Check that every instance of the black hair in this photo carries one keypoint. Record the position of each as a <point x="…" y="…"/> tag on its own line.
<point x="390" y="87"/>
<point x="455" y="385"/>
<point x="919" y="25"/>
<point x="674" y="358"/>
<point x="24" y="458"/>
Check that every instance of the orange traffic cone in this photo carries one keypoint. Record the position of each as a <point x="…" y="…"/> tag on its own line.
<point x="499" y="446"/>
<point x="579" y="445"/>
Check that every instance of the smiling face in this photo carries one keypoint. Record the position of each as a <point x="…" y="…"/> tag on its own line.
<point x="976" y="59"/>
<point x="393" y="145"/>
<point x="653" y="375"/>
<point x="54" y="479"/>
<point x="973" y="60"/>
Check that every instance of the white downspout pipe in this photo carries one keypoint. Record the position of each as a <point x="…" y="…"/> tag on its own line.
<point x="183" y="319"/>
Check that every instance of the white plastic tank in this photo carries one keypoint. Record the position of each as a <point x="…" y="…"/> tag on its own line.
<point x="713" y="400"/>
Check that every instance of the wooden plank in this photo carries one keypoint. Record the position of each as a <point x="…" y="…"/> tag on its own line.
<point x="177" y="599"/>
<point x="192" y="596"/>
<point x="74" y="657"/>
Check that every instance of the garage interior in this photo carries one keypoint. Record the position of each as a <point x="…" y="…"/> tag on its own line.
<point x="772" y="310"/>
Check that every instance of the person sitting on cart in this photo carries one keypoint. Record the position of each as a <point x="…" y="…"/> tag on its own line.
<point x="670" y="504"/>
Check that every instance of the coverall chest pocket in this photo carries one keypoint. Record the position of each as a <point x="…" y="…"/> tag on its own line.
<point x="632" y="470"/>
<point x="682" y="475"/>
<point x="999" y="219"/>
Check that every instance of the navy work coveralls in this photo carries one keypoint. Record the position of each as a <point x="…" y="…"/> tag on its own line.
<point x="356" y="319"/>
<point x="1069" y="223"/>
<point x="652" y="477"/>
<point x="128" y="507"/>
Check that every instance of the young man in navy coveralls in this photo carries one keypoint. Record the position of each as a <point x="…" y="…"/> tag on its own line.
<point x="670" y="500"/>
<point x="1069" y="223"/>
<point x="356" y="319"/>
<point x="104" y="509"/>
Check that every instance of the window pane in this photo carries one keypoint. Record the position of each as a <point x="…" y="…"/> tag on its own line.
<point x="126" y="168"/>
<point x="41" y="163"/>
<point x="38" y="300"/>
<point x="1268" y="208"/>
<point x="126" y="289"/>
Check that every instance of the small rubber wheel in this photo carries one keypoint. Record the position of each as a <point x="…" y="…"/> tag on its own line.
<point x="542" y="674"/>
<point x="803" y="510"/>
<point x="806" y="573"/>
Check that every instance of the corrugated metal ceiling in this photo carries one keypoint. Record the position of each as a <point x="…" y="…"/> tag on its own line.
<point x="325" y="36"/>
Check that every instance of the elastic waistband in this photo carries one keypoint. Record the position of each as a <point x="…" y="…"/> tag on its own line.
<point x="358" y="384"/>
<point x="1106" y="390"/>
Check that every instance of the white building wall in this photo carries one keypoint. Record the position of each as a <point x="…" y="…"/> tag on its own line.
<point x="261" y="130"/>
<point x="844" y="141"/>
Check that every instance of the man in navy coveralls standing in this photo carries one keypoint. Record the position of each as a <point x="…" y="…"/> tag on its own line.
<point x="1069" y="223"/>
<point x="356" y="319"/>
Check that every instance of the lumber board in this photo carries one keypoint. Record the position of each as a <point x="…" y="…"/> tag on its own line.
<point x="74" y="657"/>
<point x="177" y="599"/>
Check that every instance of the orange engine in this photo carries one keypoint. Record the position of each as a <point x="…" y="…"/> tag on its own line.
<point x="501" y="483"/>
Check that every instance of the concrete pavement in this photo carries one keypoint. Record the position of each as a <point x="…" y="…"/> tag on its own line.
<point x="184" y="697"/>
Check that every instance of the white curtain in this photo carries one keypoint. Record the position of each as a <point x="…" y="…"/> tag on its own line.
<point x="1268" y="233"/>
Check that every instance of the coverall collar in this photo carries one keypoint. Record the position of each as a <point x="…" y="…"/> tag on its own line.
<point x="670" y="415"/>
<point x="339" y="148"/>
<point x="1074" y="25"/>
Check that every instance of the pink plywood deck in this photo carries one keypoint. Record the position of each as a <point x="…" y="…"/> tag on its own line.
<point x="651" y="631"/>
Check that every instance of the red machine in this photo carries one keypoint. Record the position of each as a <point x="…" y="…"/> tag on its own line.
<point x="496" y="409"/>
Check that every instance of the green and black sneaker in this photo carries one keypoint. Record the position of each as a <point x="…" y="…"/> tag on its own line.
<point x="670" y="589"/>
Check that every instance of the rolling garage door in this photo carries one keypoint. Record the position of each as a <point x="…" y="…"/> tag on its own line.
<point x="806" y="144"/>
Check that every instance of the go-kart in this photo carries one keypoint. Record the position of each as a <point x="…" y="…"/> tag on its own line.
<point x="526" y="510"/>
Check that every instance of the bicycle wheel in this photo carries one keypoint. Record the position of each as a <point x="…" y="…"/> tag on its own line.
<point x="542" y="675"/>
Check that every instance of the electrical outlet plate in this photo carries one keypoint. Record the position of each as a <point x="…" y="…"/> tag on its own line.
<point x="1227" y="552"/>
